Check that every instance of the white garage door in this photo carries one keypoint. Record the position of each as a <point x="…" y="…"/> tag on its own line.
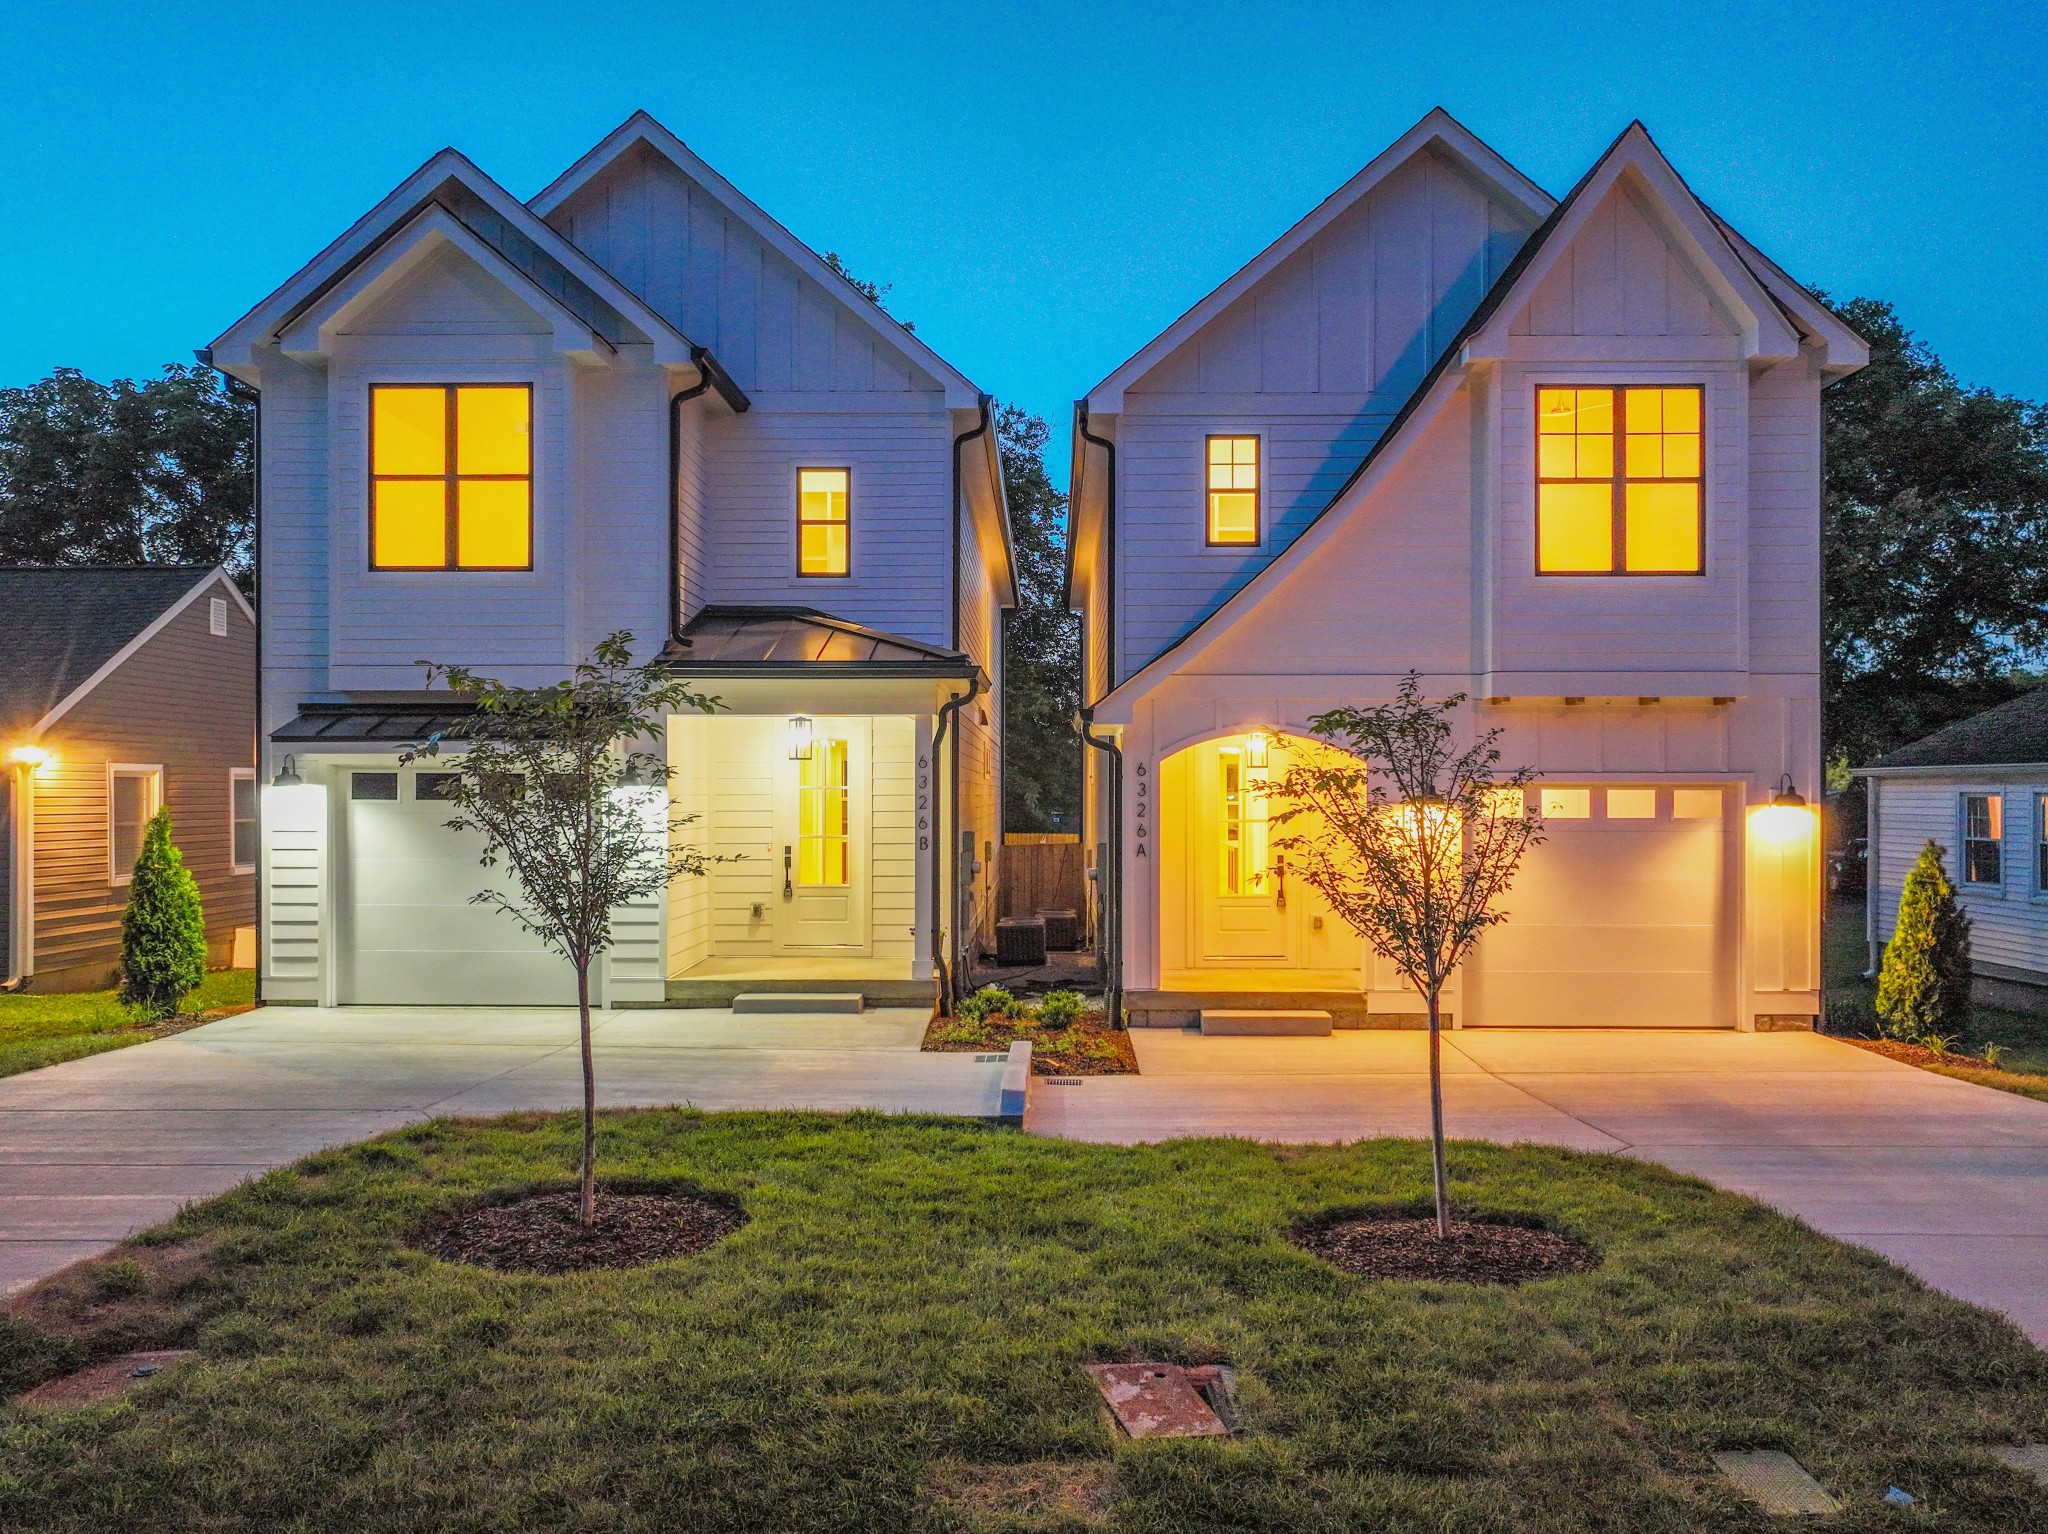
<point x="410" y="933"/>
<point x="1617" y="919"/>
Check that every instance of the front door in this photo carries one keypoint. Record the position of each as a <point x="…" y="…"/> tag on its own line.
<point x="822" y="813"/>
<point x="1243" y="914"/>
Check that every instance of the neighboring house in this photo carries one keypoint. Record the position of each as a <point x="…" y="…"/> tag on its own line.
<point x="495" y="431"/>
<point x="1979" y="789"/>
<point x="1563" y="457"/>
<point x="123" y="689"/>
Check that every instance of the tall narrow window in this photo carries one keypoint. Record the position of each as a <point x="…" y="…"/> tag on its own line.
<point x="132" y="795"/>
<point x="1620" y="487"/>
<point x="823" y="822"/>
<point x="824" y="522"/>
<point x="1245" y="823"/>
<point x="2041" y="844"/>
<point x="1983" y="832"/>
<point x="1233" y="479"/>
<point x="451" y="477"/>
<point x="242" y="819"/>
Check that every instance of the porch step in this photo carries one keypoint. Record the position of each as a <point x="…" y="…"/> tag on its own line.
<point x="799" y="1001"/>
<point x="1248" y="1021"/>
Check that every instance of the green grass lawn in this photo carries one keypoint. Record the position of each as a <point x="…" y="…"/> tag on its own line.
<point x="904" y="1318"/>
<point x="37" y="1029"/>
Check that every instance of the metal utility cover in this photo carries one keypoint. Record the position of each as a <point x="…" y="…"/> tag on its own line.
<point x="1156" y="1401"/>
<point x="2027" y="1458"/>
<point x="1776" y="1482"/>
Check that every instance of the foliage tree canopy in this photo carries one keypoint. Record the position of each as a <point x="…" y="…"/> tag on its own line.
<point x="163" y="930"/>
<point x="1935" y="538"/>
<point x="127" y="472"/>
<point x="1923" y="988"/>
<point x="1041" y="640"/>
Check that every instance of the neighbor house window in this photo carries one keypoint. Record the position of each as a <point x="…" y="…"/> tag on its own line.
<point x="133" y="794"/>
<point x="1233" y="480"/>
<point x="1619" y="482"/>
<point x="242" y="819"/>
<point x="1246" y="823"/>
<point x="2041" y="844"/>
<point x="451" y="477"/>
<point x="824" y="524"/>
<point x="1983" y="826"/>
<point x="823" y="816"/>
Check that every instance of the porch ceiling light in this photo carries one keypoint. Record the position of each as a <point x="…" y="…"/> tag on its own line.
<point x="30" y="757"/>
<point x="802" y="737"/>
<point x="288" y="775"/>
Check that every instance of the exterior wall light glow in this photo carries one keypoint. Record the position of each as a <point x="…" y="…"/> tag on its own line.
<point x="31" y="757"/>
<point x="1255" y="748"/>
<point x="802" y="736"/>
<point x="1787" y="818"/>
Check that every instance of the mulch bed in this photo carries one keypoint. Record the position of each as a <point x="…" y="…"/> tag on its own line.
<point x="1476" y="1252"/>
<point x="1921" y="1055"/>
<point x="1086" y="1047"/>
<point x="541" y="1234"/>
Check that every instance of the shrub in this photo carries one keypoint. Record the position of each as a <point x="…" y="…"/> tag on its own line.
<point x="163" y="931"/>
<point x="1923" y="988"/>
<point x="990" y="1001"/>
<point x="1059" y="1009"/>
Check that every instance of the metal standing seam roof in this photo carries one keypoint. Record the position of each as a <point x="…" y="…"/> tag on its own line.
<point x="395" y="723"/>
<point x="773" y="638"/>
<point x="64" y="623"/>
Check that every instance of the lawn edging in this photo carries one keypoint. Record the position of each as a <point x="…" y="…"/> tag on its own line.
<point x="1015" y="1093"/>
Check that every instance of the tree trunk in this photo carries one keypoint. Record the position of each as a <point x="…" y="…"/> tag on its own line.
<point x="586" y="1207"/>
<point x="1436" y="1120"/>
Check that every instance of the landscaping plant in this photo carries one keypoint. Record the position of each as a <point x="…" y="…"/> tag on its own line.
<point x="1413" y="842"/>
<point x="578" y="818"/>
<point x="163" y="931"/>
<point x="1923" y="986"/>
<point x="1059" y="1009"/>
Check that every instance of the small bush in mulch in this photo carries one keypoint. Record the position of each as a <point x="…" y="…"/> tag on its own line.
<point x="1083" y="1045"/>
<point x="1403" y="1246"/>
<point x="540" y="1233"/>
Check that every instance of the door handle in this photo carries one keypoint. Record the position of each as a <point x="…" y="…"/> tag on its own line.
<point x="1280" y="882"/>
<point x="787" y="891"/>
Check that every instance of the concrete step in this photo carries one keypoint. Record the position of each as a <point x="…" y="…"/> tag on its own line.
<point x="1265" y="1021"/>
<point x="799" y="1001"/>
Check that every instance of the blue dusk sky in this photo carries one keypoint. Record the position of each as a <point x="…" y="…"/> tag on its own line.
<point x="1046" y="186"/>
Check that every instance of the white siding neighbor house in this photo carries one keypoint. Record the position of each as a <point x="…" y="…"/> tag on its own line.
<point x="493" y="432"/>
<point x="1978" y="789"/>
<point x="1560" y="456"/>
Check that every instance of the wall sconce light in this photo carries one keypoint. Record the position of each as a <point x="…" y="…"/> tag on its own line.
<point x="1255" y="748"/>
<point x="1787" y="797"/>
<point x="801" y="737"/>
<point x="288" y="776"/>
<point x="31" y="757"/>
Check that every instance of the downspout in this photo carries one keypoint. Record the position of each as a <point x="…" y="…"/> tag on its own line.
<point x="1111" y="874"/>
<point x="959" y="442"/>
<point x="940" y="928"/>
<point x="675" y="491"/>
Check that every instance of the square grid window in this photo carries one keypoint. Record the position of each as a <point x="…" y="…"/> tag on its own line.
<point x="824" y="522"/>
<point x="1983" y="832"/>
<point x="1620" y="483"/>
<point x="133" y="794"/>
<point x="451" y="477"/>
<point x="1233" y="482"/>
<point x="242" y="819"/>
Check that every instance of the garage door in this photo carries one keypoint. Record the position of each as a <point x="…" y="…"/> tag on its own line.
<point x="410" y="933"/>
<point x="1617" y="919"/>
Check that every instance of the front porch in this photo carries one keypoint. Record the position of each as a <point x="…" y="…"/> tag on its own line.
<point x="883" y="982"/>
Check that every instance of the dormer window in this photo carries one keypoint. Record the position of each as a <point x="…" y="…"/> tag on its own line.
<point x="1233" y="479"/>
<point x="1620" y="488"/>
<point x="824" y="522"/>
<point x="451" y="477"/>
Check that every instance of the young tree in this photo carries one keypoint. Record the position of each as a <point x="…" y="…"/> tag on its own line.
<point x="163" y="931"/>
<point x="1923" y="985"/>
<point x="1412" y="841"/>
<point x="1041" y="641"/>
<point x="548" y="777"/>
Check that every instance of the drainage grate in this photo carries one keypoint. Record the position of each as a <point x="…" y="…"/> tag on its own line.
<point x="2027" y="1458"/>
<point x="989" y="1059"/>
<point x="1062" y="1081"/>
<point x="1776" y="1482"/>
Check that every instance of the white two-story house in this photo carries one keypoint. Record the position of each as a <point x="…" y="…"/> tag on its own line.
<point x="493" y="432"/>
<point x="1560" y="456"/>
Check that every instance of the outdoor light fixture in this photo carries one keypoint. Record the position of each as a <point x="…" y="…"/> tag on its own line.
<point x="289" y="776"/>
<point x="1787" y="797"/>
<point x="1787" y="818"/>
<point x="801" y="737"/>
<point x="30" y="757"/>
<point x="1255" y="749"/>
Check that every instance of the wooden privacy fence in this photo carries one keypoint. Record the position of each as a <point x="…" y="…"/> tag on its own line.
<point x="1044" y="873"/>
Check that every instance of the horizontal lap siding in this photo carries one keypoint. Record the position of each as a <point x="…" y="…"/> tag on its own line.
<point x="892" y="909"/>
<point x="2008" y="924"/>
<point x="1784" y="519"/>
<point x="294" y="545"/>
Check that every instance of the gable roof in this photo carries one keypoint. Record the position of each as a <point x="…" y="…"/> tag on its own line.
<point x="498" y="221"/>
<point x="2015" y="733"/>
<point x="70" y="627"/>
<point x="641" y="129"/>
<point x="1438" y="129"/>
<point x="1492" y="313"/>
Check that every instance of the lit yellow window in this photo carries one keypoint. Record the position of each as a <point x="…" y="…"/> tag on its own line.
<point x="1567" y="803"/>
<point x="1233" y="480"/>
<point x="451" y="477"/>
<point x="1631" y="804"/>
<point x="822" y="815"/>
<point x="1619" y="481"/>
<point x="823" y="524"/>
<point x="1246" y="825"/>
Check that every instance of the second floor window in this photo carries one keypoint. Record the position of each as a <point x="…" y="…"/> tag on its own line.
<point x="824" y="523"/>
<point x="1233" y="480"/>
<point x="1619" y="482"/>
<point x="1983" y="829"/>
<point x="451" y="477"/>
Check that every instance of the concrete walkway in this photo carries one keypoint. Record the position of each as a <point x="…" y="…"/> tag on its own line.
<point x="96" y="1149"/>
<point x="1947" y="1179"/>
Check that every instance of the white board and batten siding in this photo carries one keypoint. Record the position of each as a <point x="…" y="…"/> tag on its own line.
<point x="2009" y="920"/>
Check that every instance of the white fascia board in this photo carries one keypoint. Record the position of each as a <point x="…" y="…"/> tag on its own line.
<point x="238" y="348"/>
<point x="1844" y="350"/>
<point x="1961" y="772"/>
<point x="642" y="128"/>
<point x="428" y="232"/>
<point x="1439" y="128"/>
<point x="121" y="656"/>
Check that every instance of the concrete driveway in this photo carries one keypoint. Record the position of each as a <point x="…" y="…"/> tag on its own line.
<point x="1947" y="1179"/>
<point x="96" y="1149"/>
